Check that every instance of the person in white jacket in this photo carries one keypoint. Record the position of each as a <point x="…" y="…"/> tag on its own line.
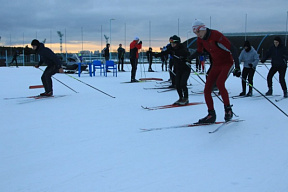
<point x="250" y="58"/>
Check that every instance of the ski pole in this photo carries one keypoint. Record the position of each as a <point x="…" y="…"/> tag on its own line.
<point x="260" y="74"/>
<point x="61" y="82"/>
<point x="90" y="85"/>
<point x="265" y="97"/>
<point x="196" y="80"/>
<point x="196" y="74"/>
<point x="142" y="58"/>
<point x="171" y="71"/>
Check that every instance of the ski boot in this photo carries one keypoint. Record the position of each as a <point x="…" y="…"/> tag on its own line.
<point x="285" y="94"/>
<point x="150" y="70"/>
<point x="209" y="119"/>
<point x="228" y="113"/>
<point x="184" y="101"/>
<point x="250" y="93"/>
<point x="269" y="92"/>
<point x="47" y="94"/>
<point x="242" y="93"/>
<point x="134" y="80"/>
<point x="178" y="101"/>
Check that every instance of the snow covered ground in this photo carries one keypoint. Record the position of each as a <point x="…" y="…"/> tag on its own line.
<point x="88" y="141"/>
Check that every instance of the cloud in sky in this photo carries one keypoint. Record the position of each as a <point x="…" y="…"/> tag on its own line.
<point x="153" y="21"/>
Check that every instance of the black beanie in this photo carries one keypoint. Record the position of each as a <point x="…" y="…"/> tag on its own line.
<point x="175" y="39"/>
<point x="247" y="44"/>
<point x="277" y="38"/>
<point x="35" y="42"/>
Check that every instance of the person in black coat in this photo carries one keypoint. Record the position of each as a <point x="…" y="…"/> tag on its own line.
<point x="53" y="63"/>
<point x="149" y="55"/>
<point x="179" y="52"/>
<point x="106" y="54"/>
<point x="279" y="55"/>
<point x="121" y="55"/>
<point x="15" y="55"/>
<point x="164" y="59"/>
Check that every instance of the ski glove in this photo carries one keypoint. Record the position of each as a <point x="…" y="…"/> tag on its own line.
<point x="237" y="72"/>
<point x="250" y="65"/>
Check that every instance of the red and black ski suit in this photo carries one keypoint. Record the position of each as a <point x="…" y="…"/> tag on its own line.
<point x="222" y="53"/>
<point x="134" y="47"/>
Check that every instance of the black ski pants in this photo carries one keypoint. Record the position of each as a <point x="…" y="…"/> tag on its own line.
<point x="120" y="62"/>
<point x="150" y="63"/>
<point x="47" y="77"/>
<point x="134" y="63"/>
<point x="14" y="59"/>
<point x="282" y="71"/>
<point x="182" y="76"/>
<point x="247" y="72"/>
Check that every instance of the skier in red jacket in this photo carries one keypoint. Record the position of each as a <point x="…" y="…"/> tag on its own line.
<point x="135" y="45"/>
<point x="222" y="54"/>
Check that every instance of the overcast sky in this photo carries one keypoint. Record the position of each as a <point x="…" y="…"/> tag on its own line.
<point x="154" y="21"/>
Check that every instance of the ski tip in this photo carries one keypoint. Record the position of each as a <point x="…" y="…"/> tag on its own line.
<point x="36" y="86"/>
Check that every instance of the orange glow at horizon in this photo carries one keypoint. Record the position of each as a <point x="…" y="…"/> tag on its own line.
<point x="77" y="47"/>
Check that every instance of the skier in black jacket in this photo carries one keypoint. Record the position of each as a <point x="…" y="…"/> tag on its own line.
<point x="121" y="55"/>
<point x="53" y="63"/>
<point x="279" y="55"/>
<point x="15" y="55"/>
<point x="179" y="53"/>
<point x="150" y="55"/>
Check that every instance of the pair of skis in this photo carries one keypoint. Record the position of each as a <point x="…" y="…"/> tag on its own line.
<point x="220" y="123"/>
<point x="244" y="96"/>
<point x="29" y="99"/>
<point x="142" y="80"/>
<point x="171" y="106"/>
<point x="162" y="89"/>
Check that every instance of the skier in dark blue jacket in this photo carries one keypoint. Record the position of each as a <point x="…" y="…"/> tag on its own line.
<point x="279" y="55"/>
<point x="53" y="63"/>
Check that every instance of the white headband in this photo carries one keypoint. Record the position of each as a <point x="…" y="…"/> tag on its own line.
<point x="198" y="25"/>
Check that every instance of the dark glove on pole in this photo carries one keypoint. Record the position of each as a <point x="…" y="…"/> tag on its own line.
<point x="237" y="72"/>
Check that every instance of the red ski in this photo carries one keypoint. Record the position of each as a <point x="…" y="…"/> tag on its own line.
<point x="171" y="106"/>
<point x="36" y="86"/>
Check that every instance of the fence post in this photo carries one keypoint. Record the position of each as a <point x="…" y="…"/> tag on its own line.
<point x="23" y="57"/>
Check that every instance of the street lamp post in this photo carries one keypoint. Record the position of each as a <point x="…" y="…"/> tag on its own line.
<point x="110" y="35"/>
<point x="110" y="29"/>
